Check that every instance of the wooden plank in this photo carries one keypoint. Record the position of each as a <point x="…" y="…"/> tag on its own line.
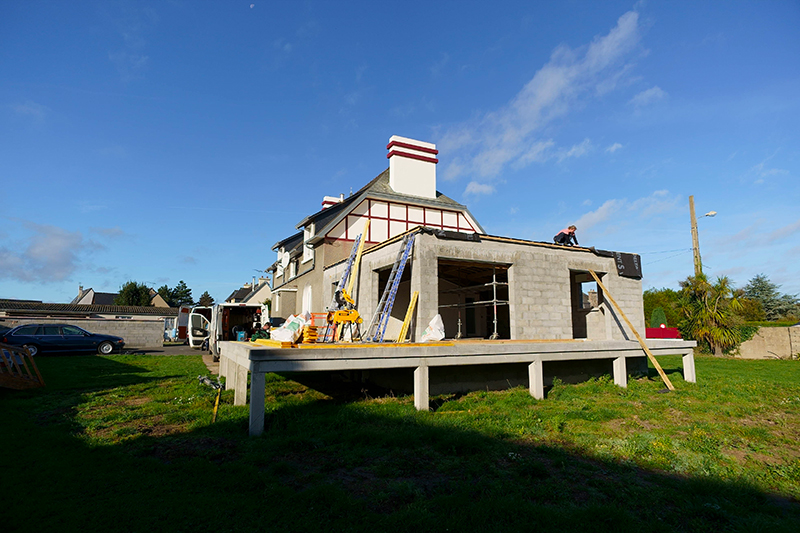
<point x="650" y="355"/>
<point x="407" y="320"/>
<point x="272" y="343"/>
<point x="357" y="262"/>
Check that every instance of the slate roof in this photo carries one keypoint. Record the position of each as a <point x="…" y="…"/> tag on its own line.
<point x="378" y="188"/>
<point x="290" y="243"/>
<point x="239" y="294"/>
<point x="18" y="307"/>
<point x="104" y="298"/>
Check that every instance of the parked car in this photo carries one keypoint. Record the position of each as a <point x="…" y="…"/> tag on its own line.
<point x="50" y="338"/>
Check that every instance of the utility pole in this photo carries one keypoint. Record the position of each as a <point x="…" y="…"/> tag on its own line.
<point x="698" y="265"/>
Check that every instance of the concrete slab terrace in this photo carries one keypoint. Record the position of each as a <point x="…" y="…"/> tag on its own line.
<point x="237" y="359"/>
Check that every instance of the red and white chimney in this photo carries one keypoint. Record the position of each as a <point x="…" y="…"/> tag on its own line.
<point x="328" y="201"/>
<point x="412" y="166"/>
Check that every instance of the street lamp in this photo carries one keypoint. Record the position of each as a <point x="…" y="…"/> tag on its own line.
<point x="698" y="265"/>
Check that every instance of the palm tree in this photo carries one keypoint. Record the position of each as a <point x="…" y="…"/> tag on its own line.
<point x="708" y="312"/>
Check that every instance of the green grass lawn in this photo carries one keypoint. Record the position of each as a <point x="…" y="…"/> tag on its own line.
<point x="125" y="443"/>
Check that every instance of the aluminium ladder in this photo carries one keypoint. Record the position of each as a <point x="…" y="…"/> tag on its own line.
<point x="346" y="276"/>
<point x="377" y="326"/>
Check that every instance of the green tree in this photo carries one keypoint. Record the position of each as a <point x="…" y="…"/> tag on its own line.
<point x="666" y="299"/>
<point x="182" y="295"/>
<point x="752" y="310"/>
<point x="708" y="313"/>
<point x="775" y="304"/>
<point x="133" y="293"/>
<point x="658" y="317"/>
<point x="205" y="300"/>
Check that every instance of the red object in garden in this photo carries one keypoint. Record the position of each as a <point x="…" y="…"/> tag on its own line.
<point x="662" y="333"/>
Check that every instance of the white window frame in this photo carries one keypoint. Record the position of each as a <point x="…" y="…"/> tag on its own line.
<point x="308" y="251"/>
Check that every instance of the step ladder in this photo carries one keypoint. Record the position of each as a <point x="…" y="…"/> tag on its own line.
<point x="377" y="326"/>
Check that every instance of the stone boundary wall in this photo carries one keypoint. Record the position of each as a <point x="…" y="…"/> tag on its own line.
<point x="137" y="333"/>
<point x="772" y="343"/>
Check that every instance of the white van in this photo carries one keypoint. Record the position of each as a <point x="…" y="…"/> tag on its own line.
<point x="225" y="322"/>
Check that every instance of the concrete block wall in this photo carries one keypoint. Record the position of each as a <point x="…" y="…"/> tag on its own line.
<point x="137" y="333"/>
<point x="772" y="343"/>
<point x="539" y="285"/>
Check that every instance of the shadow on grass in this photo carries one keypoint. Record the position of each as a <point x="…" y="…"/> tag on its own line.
<point x="364" y="466"/>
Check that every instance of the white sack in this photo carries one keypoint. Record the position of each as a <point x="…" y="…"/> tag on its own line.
<point x="435" y="330"/>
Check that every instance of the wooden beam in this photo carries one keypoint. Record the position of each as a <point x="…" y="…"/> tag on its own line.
<point x="407" y="320"/>
<point x="650" y="355"/>
<point x="357" y="262"/>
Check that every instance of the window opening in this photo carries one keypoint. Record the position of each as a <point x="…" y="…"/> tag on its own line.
<point x="585" y="298"/>
<point x="474" y="299"/>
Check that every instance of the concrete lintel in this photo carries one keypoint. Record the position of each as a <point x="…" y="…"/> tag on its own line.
<point x="536" y="379"/>
<point x="421" y="388"/>
<point x="620" y="372"/>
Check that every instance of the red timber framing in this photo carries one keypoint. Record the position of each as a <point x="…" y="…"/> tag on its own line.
<point x="388" y="219"/>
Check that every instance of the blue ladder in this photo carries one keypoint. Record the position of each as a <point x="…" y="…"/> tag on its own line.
<point x="377" y="326"/>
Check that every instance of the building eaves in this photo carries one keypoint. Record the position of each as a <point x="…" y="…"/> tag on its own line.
<point x="289" y="242"/>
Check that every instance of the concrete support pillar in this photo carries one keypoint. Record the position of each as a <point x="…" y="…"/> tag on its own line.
<point x="536" y="379"/>
<point x="240" y="396"/>
<point x="421" y="388"/>
<point x="620" y="372"/>
<point x="223" y="366"/>
<point x="425" y="279"/>
<point x="256" y="403"/>
<point x="688" y="368"/>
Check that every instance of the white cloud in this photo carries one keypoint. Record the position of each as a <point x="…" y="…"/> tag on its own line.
<point x="50" y="254"/>
<point x="783" y="232"/>
<point x="32" y="109"/>
<point x="613" y="148"/>
<point x="646" y="207"/>
<point x="578" y="150"/>
<point x="133" y="23"/>
<point x="111" y="233"/>
<point x="649" y="96"/>
<point x="476" y="189"/>
<point x="599" y="215"/>
<point x="484" y="146"/>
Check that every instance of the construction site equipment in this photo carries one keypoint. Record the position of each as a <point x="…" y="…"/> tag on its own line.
<point x="219" y="386"/>
<point x="310" y="334"/>
<point x="401" y="337"/>
<point x="14" y="370"/>
<point x="342" y="311"/>
<point x="377" y="326"/>
<point x="650" y="355"/>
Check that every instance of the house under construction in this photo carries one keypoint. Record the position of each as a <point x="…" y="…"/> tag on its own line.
<point x="483" y="286"/>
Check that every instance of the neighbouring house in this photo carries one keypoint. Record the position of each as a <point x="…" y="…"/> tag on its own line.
<point x="255" y="292"/>
<point x="91" y="297"/>
<point x="482" y="285"/>
<point x="140" y="326"/>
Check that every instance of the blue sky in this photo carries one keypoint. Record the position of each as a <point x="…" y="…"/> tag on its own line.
<point x="167" y="141"/>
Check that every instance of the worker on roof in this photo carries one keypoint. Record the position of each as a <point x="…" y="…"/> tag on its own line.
<point x="566" y="236"/>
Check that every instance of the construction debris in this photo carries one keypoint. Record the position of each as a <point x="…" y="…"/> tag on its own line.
<point x="14" y="371"/>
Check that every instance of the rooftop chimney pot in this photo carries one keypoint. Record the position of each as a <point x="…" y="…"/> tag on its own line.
<point x="412" y="166"/>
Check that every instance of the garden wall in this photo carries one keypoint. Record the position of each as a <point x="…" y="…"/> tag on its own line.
<point x="772" y="343"/>
<point x="137" y="333"/>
